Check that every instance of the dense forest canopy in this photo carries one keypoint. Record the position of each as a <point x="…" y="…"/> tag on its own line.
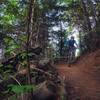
<point x="53" y="20"/>
<point x="45" y="24"/>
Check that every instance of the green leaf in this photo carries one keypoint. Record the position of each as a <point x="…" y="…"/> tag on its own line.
<point x="21" y="89"/>
<point x="1" y="65"/>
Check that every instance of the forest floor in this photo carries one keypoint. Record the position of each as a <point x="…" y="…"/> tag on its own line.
<point x="84" y="76"/>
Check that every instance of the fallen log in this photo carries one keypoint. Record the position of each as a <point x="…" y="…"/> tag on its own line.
<point x="43" y="69"/>
<point x="14" y="61"/>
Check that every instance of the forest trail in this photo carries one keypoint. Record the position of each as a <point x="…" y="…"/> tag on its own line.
<point x="84" y="76"/>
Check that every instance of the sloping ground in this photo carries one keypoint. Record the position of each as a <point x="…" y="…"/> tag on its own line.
<point x="84" y="76"/>
<point x="43" y="75"/>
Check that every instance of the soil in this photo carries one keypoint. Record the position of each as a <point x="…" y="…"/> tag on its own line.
<point x="84" y="76"/>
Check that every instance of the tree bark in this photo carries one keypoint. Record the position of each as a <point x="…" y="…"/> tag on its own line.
<point x="61" y="40"/>
<point x="30" y="15"/>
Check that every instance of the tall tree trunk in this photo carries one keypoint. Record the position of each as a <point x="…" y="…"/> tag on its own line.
<point x="31" y="4"/>
<point x="61" y="40"/>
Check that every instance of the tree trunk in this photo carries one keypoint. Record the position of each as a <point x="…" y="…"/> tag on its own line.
<point x="61" y="40"/>
<point x="29" y="29"/>
<point x="86" y="16"/>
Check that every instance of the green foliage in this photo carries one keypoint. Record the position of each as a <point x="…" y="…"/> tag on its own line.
<point x="68" y="1"/>
<point x="12" y="14"/>
<point x="6" y="73"/>
<point x="23" y="55"/>
<point x="1" y="66"/>
<point x="23" y="38"/>
<point x="21" y="89"/>
<point x="11" y="45"/>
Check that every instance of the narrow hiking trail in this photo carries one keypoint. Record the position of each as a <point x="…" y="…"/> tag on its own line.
<point x="84" y="76"/>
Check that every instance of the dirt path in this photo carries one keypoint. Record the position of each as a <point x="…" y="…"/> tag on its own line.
<point x="83" y="76"/>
